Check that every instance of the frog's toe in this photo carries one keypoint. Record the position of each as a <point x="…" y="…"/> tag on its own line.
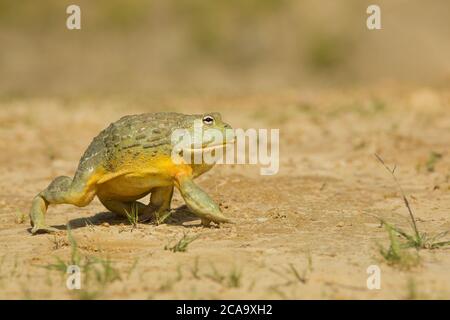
<point x="218" y="219"/>
<point x="147" y="215"/>
<point x="37" y="229"/>
<point x="206" y="222"/>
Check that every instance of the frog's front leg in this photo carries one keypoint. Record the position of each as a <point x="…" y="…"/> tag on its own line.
<point x="198" y="201"/>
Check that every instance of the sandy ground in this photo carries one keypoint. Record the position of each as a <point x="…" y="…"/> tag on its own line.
<point x="313" y="217"/>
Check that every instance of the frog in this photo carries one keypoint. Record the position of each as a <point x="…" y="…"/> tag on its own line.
<point x="132" y="158"/>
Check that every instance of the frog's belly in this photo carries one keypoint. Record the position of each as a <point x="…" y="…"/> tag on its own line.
<point x="130" y="187"/>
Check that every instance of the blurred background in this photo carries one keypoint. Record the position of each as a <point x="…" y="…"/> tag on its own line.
<point x="145" y="46"/>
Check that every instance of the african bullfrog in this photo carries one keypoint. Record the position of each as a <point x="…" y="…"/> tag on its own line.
<point x="129" y="160"/>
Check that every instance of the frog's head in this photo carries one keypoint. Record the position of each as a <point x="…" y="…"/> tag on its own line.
<point x="204" y="132"/>
<point x="216" y="132"/>
<point x="208" y="131"/>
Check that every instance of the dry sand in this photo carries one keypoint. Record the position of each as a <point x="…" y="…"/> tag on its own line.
<point x="314" y="216"/>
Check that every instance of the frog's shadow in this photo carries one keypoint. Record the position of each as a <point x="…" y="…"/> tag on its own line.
<point x="178" y="217"/>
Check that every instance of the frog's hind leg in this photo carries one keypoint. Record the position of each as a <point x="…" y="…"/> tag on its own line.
<point x="159" y="205"/>
<point x="63" y="190"/>
<point x="160" y="201"/>
<point x="124" y="208"/>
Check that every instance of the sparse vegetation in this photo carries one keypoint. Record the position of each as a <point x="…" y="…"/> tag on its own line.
<point x="215" y="275"/>
<point x="234" y="278"/>
<point x="396" y="253"/>
<point x="195" y="269"/>
<point x="161" y="219"/>
<point x="170" y="282"/>
<point x="411" y="288"/>
<point x="97" y="272"/>
<point x="182" y="244"/>
<point x="292" y="275"/>
<point x="231" y="280"/>
<point x="133" y="267"/>
<point x="433" y="158"/>
<point x="133" y="216"/>
<point x="58" y="242"/>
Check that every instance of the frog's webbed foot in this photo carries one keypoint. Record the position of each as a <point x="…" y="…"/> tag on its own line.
<point x="199" y="202"/>
<point x="147" y="215"/>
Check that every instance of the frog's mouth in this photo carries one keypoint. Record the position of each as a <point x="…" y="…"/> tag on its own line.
<point x="209" y="148"/>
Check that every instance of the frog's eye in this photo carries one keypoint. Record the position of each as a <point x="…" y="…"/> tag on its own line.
<point x="208" y="120"/>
